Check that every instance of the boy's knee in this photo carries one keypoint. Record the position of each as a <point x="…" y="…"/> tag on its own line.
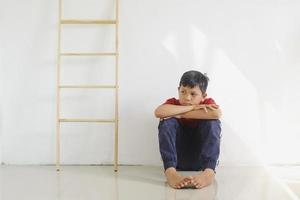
<point x="210" y="122"/>
<point x="211" y="126"/>
<point x="169" y="122"/>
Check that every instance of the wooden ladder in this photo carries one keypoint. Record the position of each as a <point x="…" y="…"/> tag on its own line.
<point x="59" y="87"/>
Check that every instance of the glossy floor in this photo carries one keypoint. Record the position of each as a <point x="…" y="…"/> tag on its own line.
<point x="138" y="182"/>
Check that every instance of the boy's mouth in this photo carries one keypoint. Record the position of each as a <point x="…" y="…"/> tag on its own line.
<point x="187" y="104"/>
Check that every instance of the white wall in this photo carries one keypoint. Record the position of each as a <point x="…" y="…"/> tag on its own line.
<point x="1" y="104"/>
<point x="248" y="48"/>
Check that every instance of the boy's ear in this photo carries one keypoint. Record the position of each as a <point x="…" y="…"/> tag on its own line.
<point x="204" y="95"/>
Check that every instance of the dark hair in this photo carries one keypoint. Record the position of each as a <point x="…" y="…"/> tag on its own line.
<point x="194" y="78"/>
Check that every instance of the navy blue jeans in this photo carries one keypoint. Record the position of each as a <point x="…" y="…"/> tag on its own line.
<point x="189" y="148"/>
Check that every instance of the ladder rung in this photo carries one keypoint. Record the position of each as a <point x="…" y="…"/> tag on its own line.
<point x="87" y="21"/>
<point x="87" y="86"/>
<point x="89" y="54"/>
<point x="88" y="120"/>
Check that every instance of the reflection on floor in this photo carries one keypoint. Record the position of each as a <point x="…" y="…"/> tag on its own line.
<point x="136" y="182"/>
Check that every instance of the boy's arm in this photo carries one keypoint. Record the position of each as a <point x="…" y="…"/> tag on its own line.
<point x="169" y="110"/>
<point x="203" y="111"/>
<point x="209" y="113"/>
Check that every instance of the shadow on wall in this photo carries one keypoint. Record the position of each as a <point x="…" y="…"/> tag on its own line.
<point x="249" y="51"/>
<point x="235" y="150"/>
<point x="252" y="66"/>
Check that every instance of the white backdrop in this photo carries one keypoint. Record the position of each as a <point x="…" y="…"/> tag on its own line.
<point x="250" y="50"/>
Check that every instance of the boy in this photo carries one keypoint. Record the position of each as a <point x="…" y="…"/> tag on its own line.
<point x="189" y="133"/>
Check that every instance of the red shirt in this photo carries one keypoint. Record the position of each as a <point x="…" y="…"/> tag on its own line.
<point x="185" y="121"/>
<point x="175" y="101"/>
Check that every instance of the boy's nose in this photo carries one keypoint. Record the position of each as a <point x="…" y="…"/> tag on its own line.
<point x="188" y="97"/>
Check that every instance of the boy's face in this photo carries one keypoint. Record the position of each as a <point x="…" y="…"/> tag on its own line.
<point x="190" y="96"/>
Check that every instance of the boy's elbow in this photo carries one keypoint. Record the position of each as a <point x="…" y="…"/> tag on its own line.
<point x="157" y="114"/>
<point x="218" y="114"/>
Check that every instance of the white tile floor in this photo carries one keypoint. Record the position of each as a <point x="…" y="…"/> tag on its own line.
<point x="136" y="182"/>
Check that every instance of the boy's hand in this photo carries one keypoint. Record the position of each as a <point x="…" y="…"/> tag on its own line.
<point x="212" y="106"/>
<point x="199" y="107"/>
<point x="206" y="106"/>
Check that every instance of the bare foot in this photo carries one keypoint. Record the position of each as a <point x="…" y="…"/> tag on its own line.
<point x="175" y="179"/>
<point x="203" y="179"/>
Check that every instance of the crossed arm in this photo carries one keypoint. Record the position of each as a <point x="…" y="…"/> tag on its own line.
<point x="203" y="111"/>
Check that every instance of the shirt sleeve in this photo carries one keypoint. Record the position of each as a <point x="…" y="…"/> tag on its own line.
<point x="209" y="101"/>
<point x="172" y="101"/>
